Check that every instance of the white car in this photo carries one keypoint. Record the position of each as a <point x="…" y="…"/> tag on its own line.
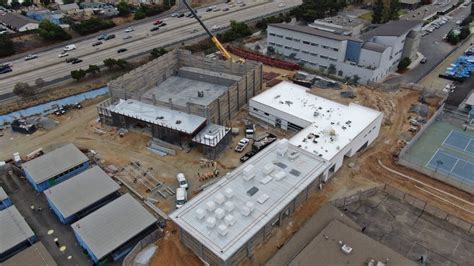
<point x="215" y="28"/>
<point x="69" y="47"/>
<point x="130" y="29"/>
<point x="63" y="54"/>
<point x="31" y="57"/>
<point x="181" y="197"/>
<point x="242" y="145"/>
<point x="182" y="182"/>
<point x="281" y="5"/>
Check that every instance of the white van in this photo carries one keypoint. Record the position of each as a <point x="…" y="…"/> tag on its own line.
<point x="69" y="47"/>
<point x="182" y="182"/>
<point x="181" y="197"/>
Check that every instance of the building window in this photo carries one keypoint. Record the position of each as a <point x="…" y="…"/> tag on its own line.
<point x="313" y="54"/>
<point x="288" y="47"/>
<point x="278" y="45"/>
<point x="339" y="73"/>
<point x="335" y="49"/>
<point x="267" y="114"/>
<point x="305" y="52"/>
<point x="279" y="36"/>
<point x="332" y="59"/>
<point x="297" y="50"/>
<point x="255" y="109"/>
<point x="272" y="34"/>
<point x="325" y="47"/>
<point x="306" y="42"/>
<point x="314" y="44"/>
<point x="271" y="43"/>
<point x="296" y="40"/>
<point x="323" y="57"/>
<point x="289" y="38"/>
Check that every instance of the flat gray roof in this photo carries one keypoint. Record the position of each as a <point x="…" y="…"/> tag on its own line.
<point x="36" y="255"/>
<point x="376" y="47"/>
<point x="313" y="31"/>
<point x="112" y="225"/>
<point x="211" y="135"/>
<point x="392" y="28"/>
<point x="226" y="215"/>
<point x="325" y="249"/>
<point x="54" y="162"/>
<point x="81" y="191"/>
<point x="157" y="115"/>
<point x="3" y="194"/>
<point x="13" y="229"/>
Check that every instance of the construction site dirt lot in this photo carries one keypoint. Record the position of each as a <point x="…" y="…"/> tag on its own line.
<point x="362" y="171"/>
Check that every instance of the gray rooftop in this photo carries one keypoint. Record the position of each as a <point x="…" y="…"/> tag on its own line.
<point x="327" y="251"/>
<point x="36" y="255"/>
<point x="392" y="28"/>
<point x="230" y="212"/>
<point x="376" y="47"/>
<point x="16" y="20"/>
<point x="3" y="194"/>
<point x="211" y="135"/>
<point x="13" y="229"/>
<point x="315" y="32"/>
<point x="158" y="115"/>
<point x="54" y="162"/>
<point x="112" y="225"/>
<point x="81" y="191"/>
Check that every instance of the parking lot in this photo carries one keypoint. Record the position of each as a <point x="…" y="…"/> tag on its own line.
<point x="434" y="48"/>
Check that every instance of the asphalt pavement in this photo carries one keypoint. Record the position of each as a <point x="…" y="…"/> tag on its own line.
<point x="49" y="67"/>
<point x="434" y="48"/>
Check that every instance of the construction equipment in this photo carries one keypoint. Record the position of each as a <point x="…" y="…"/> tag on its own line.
<point x="214" y="39"/>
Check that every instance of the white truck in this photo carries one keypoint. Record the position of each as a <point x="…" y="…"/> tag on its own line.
<point x="249" y="131"/>
<point x="182" y="182"/>
<point x="69" y="47"/>
<point x="181" y="197"/>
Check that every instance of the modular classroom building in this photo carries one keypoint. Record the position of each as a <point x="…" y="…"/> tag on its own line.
<point x="15" y="233"/>
<point x="327" y="129"/>
<point x="110" y="232"/>
<point x="36" y="255"/>
<point x="224" y="223"/>
<point x="5" y="201"/>
<point x="81" y="194"/>
<point x="55" y="167"/>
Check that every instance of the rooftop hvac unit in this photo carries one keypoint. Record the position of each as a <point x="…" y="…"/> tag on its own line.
<point x="279" y="175"/>
<point x="249" y="177"/>
<point x="229" y="206"/>
<point x="266" y="179"/>
<point x="268" y="168"/>
<point x="211" y="222"/>
<point x="263" y="198"/>
<point x="223" y="230"/>
<point x="248" y="169"/>
<point x="220" y="213"/>
<point x="250" y="205"/>
<point x="346" y="249"/>
<point x="210" y="206"/>
<point x="245" y="211"/>
<point x="293" y="155"/>
<point x="220" y="199"/>
<point x="229" y="220"/>
<point x="200" y="213"/>
<point x="229" y="193"/>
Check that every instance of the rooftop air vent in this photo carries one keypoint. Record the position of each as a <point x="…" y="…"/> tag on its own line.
<point x="210" y="206"/>
<point x="223" y="230"/>
<point x="159" y="117"/>
<point x="219" y="198"/>
<point x="200" y="213"/>
<point x="229" y="193"/>
<point x="229" y="206"/>
<point x="268" y="168"/>
<point x="263" y="198"/>
<point x="220" y="213"/>
<point x="229" y="220"/>
<point x="279" y="175"/>
<point x="211" y="222"/>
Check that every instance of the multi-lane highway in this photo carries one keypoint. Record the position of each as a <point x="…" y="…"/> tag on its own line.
<point x="49" y="66"/>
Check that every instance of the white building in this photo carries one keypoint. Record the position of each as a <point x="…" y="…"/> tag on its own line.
<point x="327" y="129"/>
<point x="371" y="56"/>
<point x="224" y="223"/>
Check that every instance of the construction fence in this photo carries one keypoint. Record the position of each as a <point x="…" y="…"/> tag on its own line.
<point x="149" y="239"/>
<point x="408" y="198"/>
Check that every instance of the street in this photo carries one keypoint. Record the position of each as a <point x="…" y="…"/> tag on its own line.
<point x="49" y="67"/>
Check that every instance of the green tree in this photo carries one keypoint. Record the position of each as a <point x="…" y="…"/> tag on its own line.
<point x="92" y="25"/>
<point x="93" y="69"/>
<point x="78" y="74"/>
<point x="27" y="3"/>
<point x="110" y="63"/>
<point x="51" y="31"/>
<point x="123" y="9"/>
<point x="45" y="2"/>
<point x="310" y="10"/>
<point x="155" y="53"/>
<point x="139" y="15"/>
<point x="404" y="63"/>
<point x="377" y="16"/>
<point x="332" y="69"/>
<point x="6" y="46"/>
<point x="122" y="63"/>
<point x="22" y="89"/>
<point x="4" y="3"/>
<point x="393" y="9"/>
<point x="465" y="32"/>
<point x="39" y="82"/>
<point x="68" y="1"/>
<point x="453" y="38"/>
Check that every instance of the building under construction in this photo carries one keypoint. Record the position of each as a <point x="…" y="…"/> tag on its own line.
<point x="183" y="99"/>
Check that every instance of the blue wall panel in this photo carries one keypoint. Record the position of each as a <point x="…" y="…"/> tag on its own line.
<point x="57" y="179"/>
<point x="353" y="51"/>
<point x="5" y="203"/>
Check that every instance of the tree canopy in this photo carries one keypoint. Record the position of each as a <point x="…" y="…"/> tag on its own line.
<point x="316" y="9"/>
<point x="123" y="8"/>
<point x="51" y="31"/>
<point x="22" y="89"/>
<point x="6" y="46"/>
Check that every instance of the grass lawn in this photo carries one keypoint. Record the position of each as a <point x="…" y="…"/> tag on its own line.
<point x="367" y="16"/>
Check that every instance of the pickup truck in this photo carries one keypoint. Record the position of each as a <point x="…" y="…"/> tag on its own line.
<point x="242" y="144"/>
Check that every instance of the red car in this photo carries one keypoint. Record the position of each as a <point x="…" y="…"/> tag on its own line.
<point x="157" y="22"/>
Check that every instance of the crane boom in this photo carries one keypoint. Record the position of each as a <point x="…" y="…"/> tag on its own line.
<point x="214" y="39"/>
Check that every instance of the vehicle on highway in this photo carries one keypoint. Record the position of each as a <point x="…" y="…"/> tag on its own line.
<point x="5" y="69"/>
<point x="424" y="60"/>
<point x="189" y="14"/>
<point x="194" y="30"/>
<point x="215" y="28"/>
<point x="69" y="47"/>
<point x="102" y="36"/>
<point x="225" y="9"/>
<point x="181" y="197"/>
<point x="163" y="24"/>
<point x="216" y="9"/>
<point x="243" y="4"/>
<point x="180" y="15"/>
<point x="76" y="61"/>
<point x="63" y="54"/>
<point x="97" y="43"/>
<point x="154" y="28"/>
<point x="281" y="5"/>
<point x="242" y="144"/>
<point x="157" y="22"/>
<point x="109" y="37"/>
<point x="209" y="9"/>
<point x="121" y="50"/>
<point x="31" y="57"/>
<point x="174" y="15"/>
<point x="127" y="37"/>
<point x="70" y="59"/>
<point x="232" y="5"/>
<point x="247" y="156"/>
<point x="129" y="29"/>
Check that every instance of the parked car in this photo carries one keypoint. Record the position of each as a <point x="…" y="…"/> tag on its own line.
<point x="121" y="50"/>
<point x="69" y="47"/>
<point x="181" y="197"/>
<point x="182" y="182"/>
<point x="31" y="57"/>
<point x="189" y="14"/>
<point x="109" y="37"/>
<point x="129" y="29"/>
<point x="70" y="59"/>
<point x="76" y="61"/>
<point x="63" y="54"/>
<point x="242" y="144"/>
<point x="154" y="28"/>
<point x="424" y="60"/>
<point x="247" y="156"/>
<point x="126" y="37"/>
<point x="102" y="36"/>
<point x="97" y="43"/>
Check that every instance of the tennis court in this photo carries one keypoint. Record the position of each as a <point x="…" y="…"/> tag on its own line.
<point x="452" y="165"/>
<point x="460" y="141"/>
